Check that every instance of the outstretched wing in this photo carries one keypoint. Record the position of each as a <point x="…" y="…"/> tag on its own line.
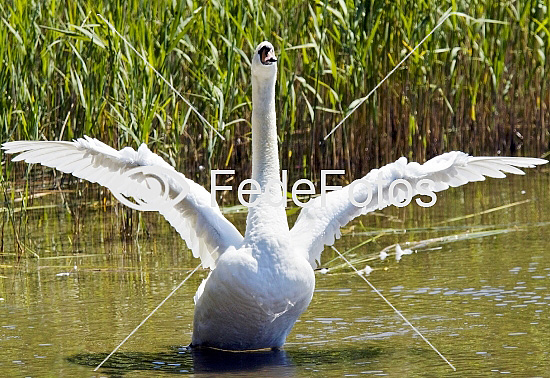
<point x="319" y="224"/>
<point x="144" y="176"/>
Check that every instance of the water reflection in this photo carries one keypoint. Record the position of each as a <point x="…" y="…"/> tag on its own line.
<point x="185" y="360"/>
<point x="192" y="360"/>
<point x="483" y="302"/>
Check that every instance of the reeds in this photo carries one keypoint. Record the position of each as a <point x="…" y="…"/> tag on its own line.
<point x="475" y="85"/>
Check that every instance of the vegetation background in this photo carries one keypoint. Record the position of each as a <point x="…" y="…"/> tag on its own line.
<point x="478" y="84"/>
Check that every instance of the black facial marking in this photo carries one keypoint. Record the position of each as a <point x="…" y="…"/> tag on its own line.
<point x="264" y="52"/>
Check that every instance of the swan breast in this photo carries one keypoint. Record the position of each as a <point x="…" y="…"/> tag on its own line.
<point x="248" y="303"/>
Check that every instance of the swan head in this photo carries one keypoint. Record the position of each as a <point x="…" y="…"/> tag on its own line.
<point x="264" y="61"/>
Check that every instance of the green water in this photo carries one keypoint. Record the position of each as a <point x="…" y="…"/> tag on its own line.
<point x="484" y="302"/>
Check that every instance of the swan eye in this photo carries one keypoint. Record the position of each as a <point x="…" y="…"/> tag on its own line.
<point x="267" y="55"/>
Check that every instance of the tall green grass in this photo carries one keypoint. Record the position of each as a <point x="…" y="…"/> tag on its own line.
<point x="477" y="86"/>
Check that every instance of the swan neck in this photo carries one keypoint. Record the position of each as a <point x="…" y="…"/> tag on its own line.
<point x="265" y="152"/>
<point x="267" y="225"/>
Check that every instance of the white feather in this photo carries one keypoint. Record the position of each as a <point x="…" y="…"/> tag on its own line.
<point x="318" y="226"/>
<point x="204" y="228"/>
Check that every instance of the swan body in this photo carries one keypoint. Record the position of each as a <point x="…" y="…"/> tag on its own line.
<point x="261" y="283"/>
<point x="254" y="296"/>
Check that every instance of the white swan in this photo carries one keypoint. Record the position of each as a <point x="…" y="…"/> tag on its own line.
<point x="260" y="284"/>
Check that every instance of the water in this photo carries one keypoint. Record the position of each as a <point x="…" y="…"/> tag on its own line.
<point x="484" y="302"/>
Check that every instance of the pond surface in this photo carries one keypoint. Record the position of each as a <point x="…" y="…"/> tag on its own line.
<point x="481" y="297"/>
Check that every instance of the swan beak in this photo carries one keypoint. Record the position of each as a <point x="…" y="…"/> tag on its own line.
<point x="267" y="56"/>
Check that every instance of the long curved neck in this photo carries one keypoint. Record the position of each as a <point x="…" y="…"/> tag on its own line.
<point x="265" y="154"/>
<point x="266" y="222"/>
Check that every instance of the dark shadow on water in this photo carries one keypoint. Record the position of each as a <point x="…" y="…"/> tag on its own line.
<point x="184" y="360"/>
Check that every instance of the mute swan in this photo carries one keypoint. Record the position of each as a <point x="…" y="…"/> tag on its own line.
<point x="260" y="284"/>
